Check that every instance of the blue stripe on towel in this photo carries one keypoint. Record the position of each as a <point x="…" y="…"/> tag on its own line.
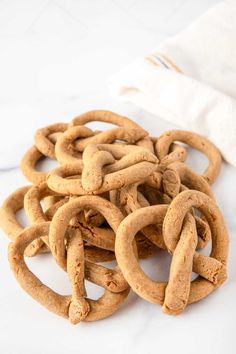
<point x="161" y="61"/>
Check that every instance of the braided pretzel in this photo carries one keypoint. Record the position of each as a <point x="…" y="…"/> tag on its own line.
<point x="58" y="228"/>
<point x="131" y="166"/>
<point x="43" y="141"/>
<point x="219" y="253"/>
<point x="100" y="237"/>
<point x="211" y="268"/>
<point x="196" y="141"/>
<point x="74" y="307"/>
<point x="57" y="181"/>
<point x="128" y="200"/>
<point x="11" y="226"/>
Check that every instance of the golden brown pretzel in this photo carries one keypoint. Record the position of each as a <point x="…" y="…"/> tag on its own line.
<point x="74" y="307"/>
<point x="28" y="166"/>
<point x="108" y="117"/>
<point x="129" y="199"/>
<point x="9" y="223"/>
<point x="43" y="141"/>
<point x="63" y="149"/>
<point x="128" y="135"/>
<point x="217" y="273"/>
<point x="58" y="182"/>
<point x="196" y="141"/>
<point x="133" y="163"/>
<point x="212" y="268"/>
<point x="63" y="216"/>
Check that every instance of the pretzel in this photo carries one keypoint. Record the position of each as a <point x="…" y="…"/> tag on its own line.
<point x="74" y="307"/>
<point x="71" y="209"/>
<point x="177" y="173"/>
<point x="103" y="238"/>
<point x="28" y="163"/>
<point x="64" y="153"/>
<point x="117" y="195"/>
<point x="128" y="200"/>
<point x="134" y="163"/>
<point x="211" y="268"/>
<point x="34" y="195"/>
<point x="34" y="210"/>
<point x="128" y="135"/>
<point x="108" y="117"/>
<point x="9" y="223"/>
<point x="219" y="253"/>
<point x="100" y="237"/>
<point x="43" y="141"/>
<point x="196" y="141"/>
<point x="57" y="181"/>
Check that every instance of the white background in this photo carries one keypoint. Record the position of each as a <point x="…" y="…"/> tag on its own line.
<point x="55" y="58"/>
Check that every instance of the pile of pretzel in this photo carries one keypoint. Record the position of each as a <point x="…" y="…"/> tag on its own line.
<point x="117" y="195"/>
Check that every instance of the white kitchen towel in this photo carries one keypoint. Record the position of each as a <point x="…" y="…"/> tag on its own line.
<point x="190" y="79"/>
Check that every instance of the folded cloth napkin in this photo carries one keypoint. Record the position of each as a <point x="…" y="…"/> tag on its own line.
<point x="190" y="80"/>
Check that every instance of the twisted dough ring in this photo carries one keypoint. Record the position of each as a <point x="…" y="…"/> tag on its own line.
<point x="175" y="215"/>
<point x="129" y="199"/>
<point x="196" y="141"/>
<point x="61" y="219"/>
<point x="108" y="117"/>
<point x="28" y="163"/>
<point x="75" y="307"/>
<point x="101" y="237"/>
<point x="12" y="204"/>
<point x="57" y="181"/>
<point x="212" y="269"/>
<point x="34" y="195"/>
<point x="130" y="167"/>
<point x="43" y="141"/>
<point x="63" y="145"/>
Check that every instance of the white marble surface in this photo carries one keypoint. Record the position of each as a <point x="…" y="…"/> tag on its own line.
<point x="55" y="59"/>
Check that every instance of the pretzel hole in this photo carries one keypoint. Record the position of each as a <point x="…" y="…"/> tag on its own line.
<point x="94" y="291"/>
<point x="100" y="125"/>
<point x="22" y="218"/>
<point x="45" y="164"/>
<point x="46" y="269"/>
<point x="157" y="266"/>
<point x="196" y="160"/>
